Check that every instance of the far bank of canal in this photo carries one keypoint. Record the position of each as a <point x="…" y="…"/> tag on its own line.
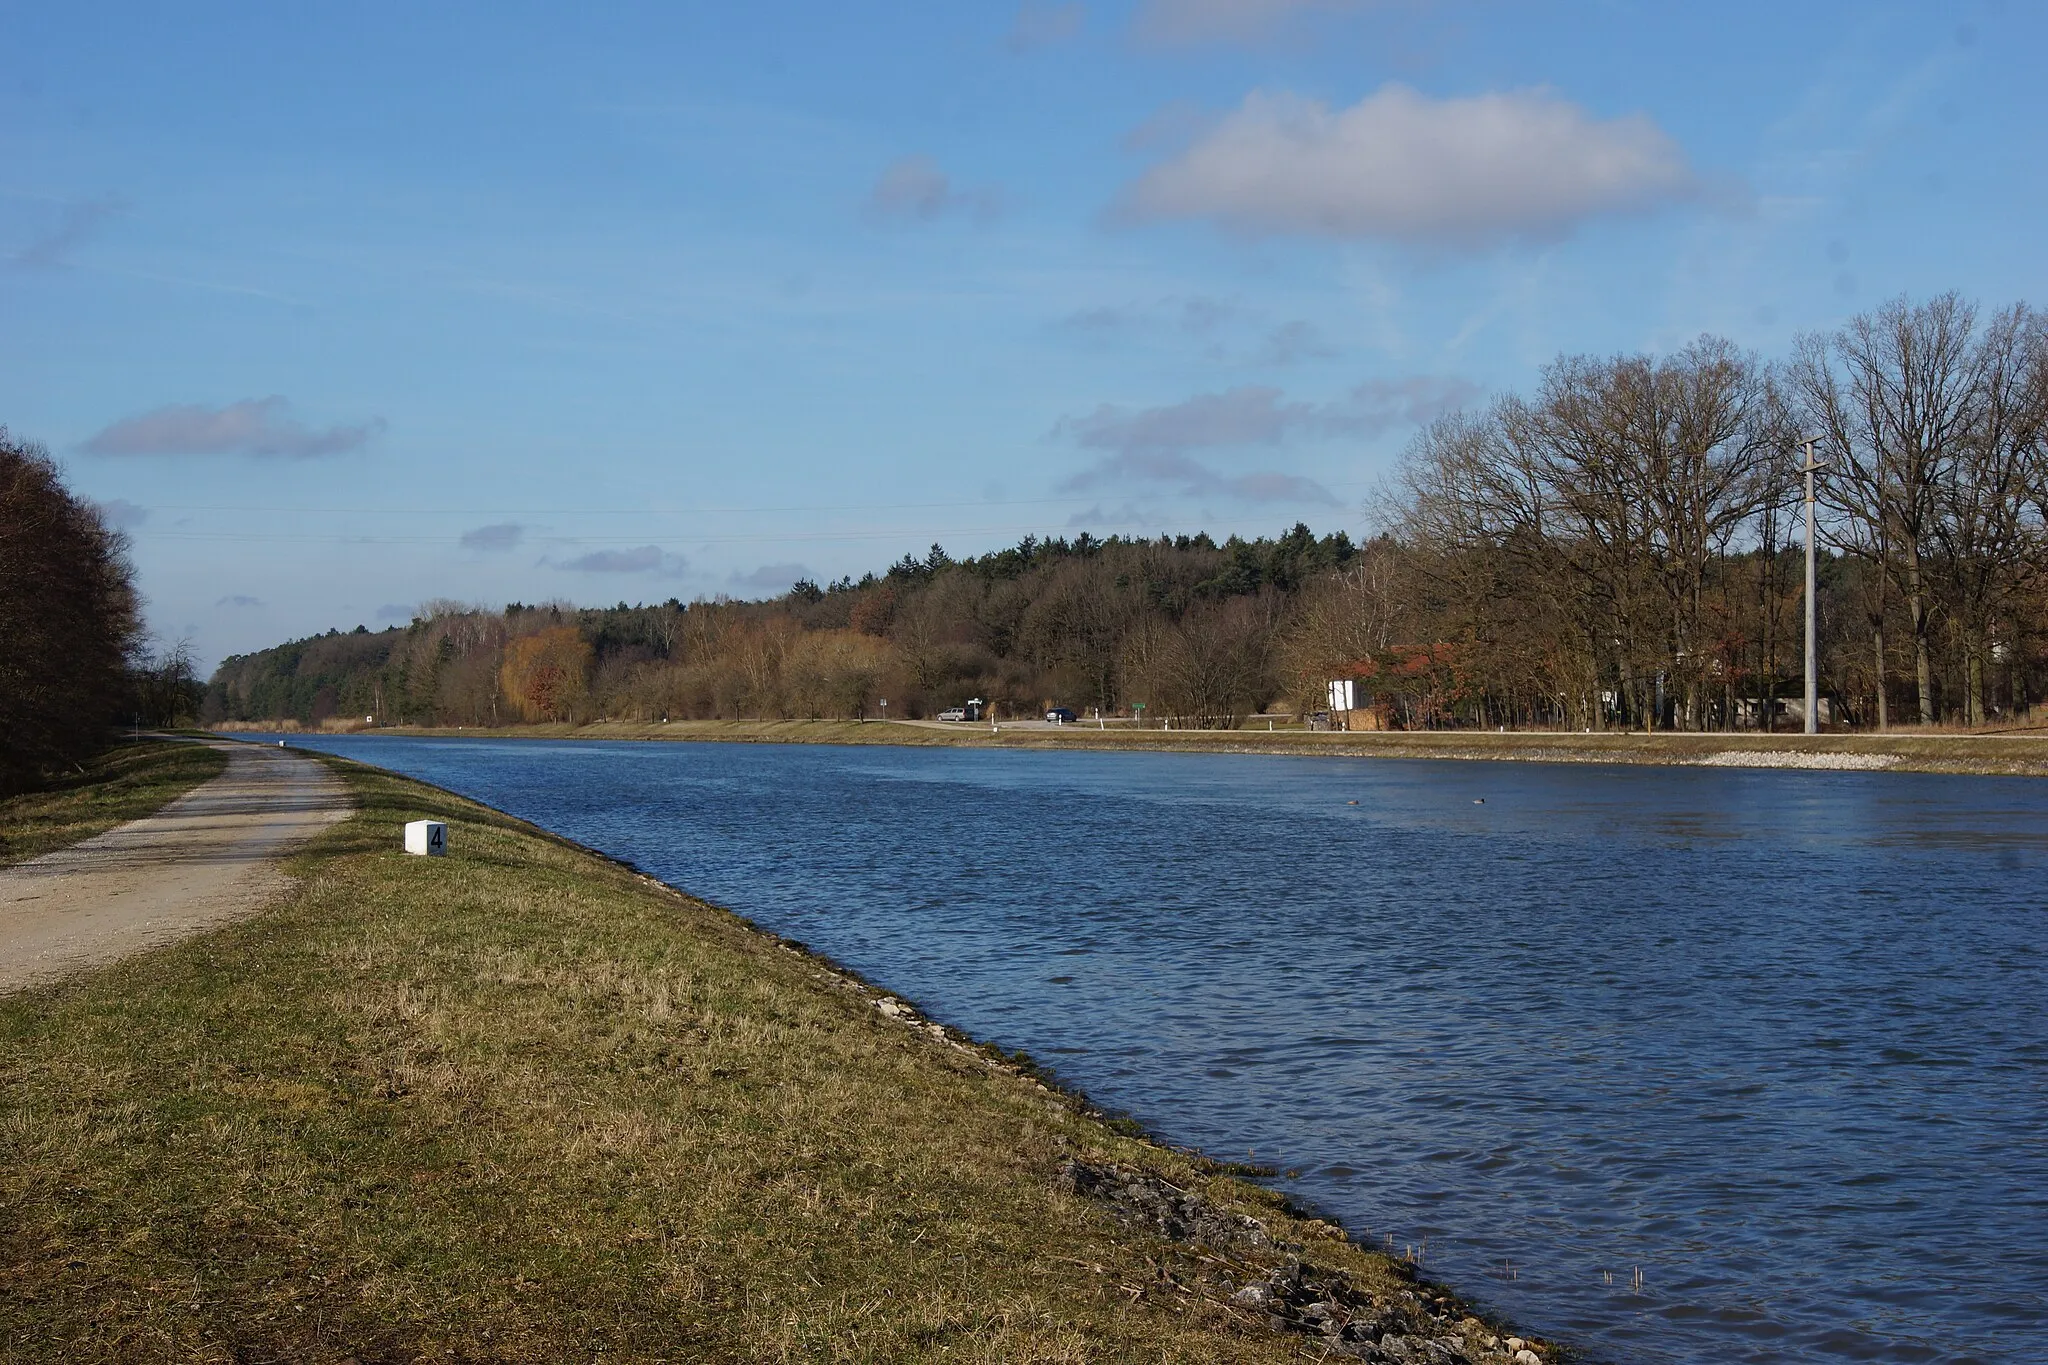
<point x="1778" y="1039"/>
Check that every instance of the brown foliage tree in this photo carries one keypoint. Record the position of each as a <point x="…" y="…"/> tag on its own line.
<point x="835" y="672"/>
<point x="544" y="675"/>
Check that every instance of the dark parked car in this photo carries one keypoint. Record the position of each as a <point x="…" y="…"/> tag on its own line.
<point x="1061" y="715"/>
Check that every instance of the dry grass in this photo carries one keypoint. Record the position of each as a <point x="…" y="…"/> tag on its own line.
<point x="131" y="780"/>
<point x="520" y="1104"/>
<point x="2001" y="752"/>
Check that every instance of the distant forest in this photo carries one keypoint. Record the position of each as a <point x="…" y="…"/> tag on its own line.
<point x="1080" y="622"/>
<point x="1622" y="548"/>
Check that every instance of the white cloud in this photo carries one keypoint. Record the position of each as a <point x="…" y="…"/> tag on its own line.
<point x="1257" y="414"/>
<point x="1296" y="341"/>
<point x="1190" y="477"/>
<point x="1196" y="314"/>
<point x="1149" y="446"/>
<point x="1042" y="24"/>
<point x="51" y="249"/>
<point x="914" y="187"/>
<point x="1248" y="415"/>
<point x="639" y="559"/>
<point x="502" y="535"/>
<point x="255" y="426"/>
<point x="1128" y="514"/>
<point x="1152" y="445"/>
<point x="1209" y="21"/>
<point x="1170" y="126"/>
<point x="1403" y="167"/>
<point x="1378" y="406"/>
<point x="122" y="514"/>
<point x="1101" y="320"/>
<point x="777" y="577"/>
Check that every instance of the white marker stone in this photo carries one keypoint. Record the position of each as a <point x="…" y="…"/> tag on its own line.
<point x="427" y="838"/>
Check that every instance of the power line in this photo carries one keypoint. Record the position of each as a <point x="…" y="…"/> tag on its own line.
<point x="912" y="534"/>
<point x="649" y="511"/>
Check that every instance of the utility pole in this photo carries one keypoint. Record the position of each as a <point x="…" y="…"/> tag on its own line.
<point x="1809" y="469"/>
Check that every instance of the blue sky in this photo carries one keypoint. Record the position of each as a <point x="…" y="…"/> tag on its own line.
<point x="341" y="309"/>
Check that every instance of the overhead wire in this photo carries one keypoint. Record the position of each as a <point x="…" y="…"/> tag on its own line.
<point x="913" y="534"/>
<point x="645" y="511"/>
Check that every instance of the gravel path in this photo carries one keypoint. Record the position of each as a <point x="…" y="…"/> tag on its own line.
<point x="210" y="856"/>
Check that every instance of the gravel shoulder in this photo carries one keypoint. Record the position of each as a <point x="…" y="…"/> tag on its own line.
<point x="210" y="856"/>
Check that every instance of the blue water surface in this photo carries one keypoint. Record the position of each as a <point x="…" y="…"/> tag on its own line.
<point x="1777" y="1039"/>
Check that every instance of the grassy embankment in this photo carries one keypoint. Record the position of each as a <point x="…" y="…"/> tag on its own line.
<point x="133" y="779"/>
<point x="522" y="1104"/>
<point x="2022" y="753"/>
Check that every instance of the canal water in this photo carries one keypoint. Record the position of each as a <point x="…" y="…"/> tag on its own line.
<point x="1777" y="1040"/>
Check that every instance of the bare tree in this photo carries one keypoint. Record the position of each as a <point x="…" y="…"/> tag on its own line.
<point x="167" y="687"/>
<point x="1214" y="666"/>
<point x="1988" y="533"/>
<point x="1342" y="619"/>
<point x="1893" y="395"/>
<point x="1696" y="432"/>
<point x="1076" y="625"/>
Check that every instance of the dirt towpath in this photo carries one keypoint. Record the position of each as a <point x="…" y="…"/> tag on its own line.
<point x="211" y="855"/>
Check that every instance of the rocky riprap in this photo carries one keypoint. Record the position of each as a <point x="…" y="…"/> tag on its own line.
<point x="1265" y="1275"/>
<point x="1172" y="1212"/>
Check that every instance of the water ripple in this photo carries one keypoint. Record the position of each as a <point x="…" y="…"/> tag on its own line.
<point x="1777" y="1039"/>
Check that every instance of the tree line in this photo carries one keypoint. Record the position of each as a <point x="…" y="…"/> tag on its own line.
<point x="1620" y="548"/>
<point x="1190" y="624"/>
<point x="72" y="660"/>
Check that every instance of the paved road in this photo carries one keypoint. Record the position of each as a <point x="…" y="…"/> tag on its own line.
<point x="969" y="726"/>
<point x="208" y="857"/>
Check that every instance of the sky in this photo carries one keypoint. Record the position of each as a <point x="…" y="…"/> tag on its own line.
<point x="341" y="309"/>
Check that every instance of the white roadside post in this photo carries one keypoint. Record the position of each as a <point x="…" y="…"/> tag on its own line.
<point x="427" y="838"/>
